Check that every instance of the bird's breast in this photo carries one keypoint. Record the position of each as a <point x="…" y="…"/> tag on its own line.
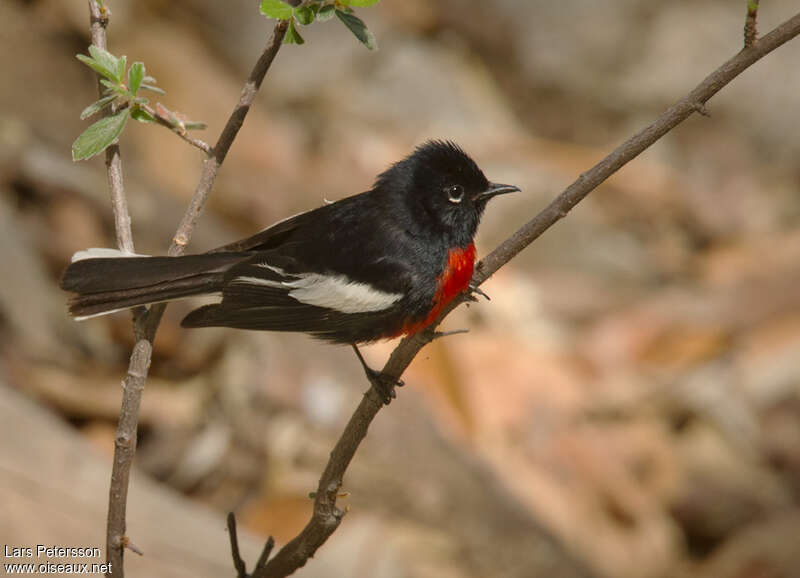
<point x="453" y="280"/>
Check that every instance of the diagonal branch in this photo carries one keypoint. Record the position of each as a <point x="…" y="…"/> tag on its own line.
<point x="326" y="516"/>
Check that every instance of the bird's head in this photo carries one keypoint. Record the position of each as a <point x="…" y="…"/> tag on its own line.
<point x="444" y="189"/>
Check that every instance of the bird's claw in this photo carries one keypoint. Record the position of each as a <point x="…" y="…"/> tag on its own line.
<point x="475" y="290"/>
<point x="383" y="384"/>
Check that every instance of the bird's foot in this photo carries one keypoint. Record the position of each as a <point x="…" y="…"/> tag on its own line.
<point x="382" y="383"/>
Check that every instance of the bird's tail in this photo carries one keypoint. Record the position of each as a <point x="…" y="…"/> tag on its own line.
<point x="106" y="280"/>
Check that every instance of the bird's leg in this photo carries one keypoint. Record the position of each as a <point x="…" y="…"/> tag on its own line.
<point x="384" y="384"/>
<point x="474" y="290"/>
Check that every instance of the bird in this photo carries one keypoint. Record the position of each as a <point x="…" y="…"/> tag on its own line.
<point x="372" y="266"/>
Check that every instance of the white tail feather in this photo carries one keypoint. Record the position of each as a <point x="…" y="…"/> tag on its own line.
<point x="101" y="253"/>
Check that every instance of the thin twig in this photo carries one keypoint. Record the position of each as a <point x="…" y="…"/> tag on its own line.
<point x="133" y="383"/>
<point x="326" y="516"/>
<point x="212" y="164"/>
<point x="119" y="204"/>
<point x="750" y="23"/>
<point x="238" y="563"/>
<point x="177" y="129"/>
<point x="145" y="322"/>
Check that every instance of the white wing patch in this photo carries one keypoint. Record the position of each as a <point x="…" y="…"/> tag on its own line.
<point x="340" y="293"/>
<point x="335" y="292"/>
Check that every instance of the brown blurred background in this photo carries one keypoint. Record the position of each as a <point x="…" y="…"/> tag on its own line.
<point x="627" y="405"/>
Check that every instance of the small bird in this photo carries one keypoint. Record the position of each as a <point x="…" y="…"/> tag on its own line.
<point x="376" y="265"/>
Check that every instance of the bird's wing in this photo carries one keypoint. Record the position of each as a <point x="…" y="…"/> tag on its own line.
<point x="277" y="293"/>
<point x="276" y="235"/>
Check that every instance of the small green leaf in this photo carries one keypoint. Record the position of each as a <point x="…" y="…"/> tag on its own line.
<point x="304" y="15"/>
<point x="326" y="13"/>
<point x="135" y="77"/>
<point x="142" y="115"/>
<point x="99" y="136"/>
<point x="106" y="60"/>
<point x="358" y="28"/>
<point x="97" y="67"/>
<point x="359" y="3"/>
<point x="96" y="107"/>
<point x="152" y="88"/>
<point x="122" y="63"/>
<point x="292" y="35"/>
<point x="114" y="88"/>
<point x="276" y="9"/>
<point x="195" y="125"/>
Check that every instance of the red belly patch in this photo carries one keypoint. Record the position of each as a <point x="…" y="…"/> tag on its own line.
<point x="453" y="280"/>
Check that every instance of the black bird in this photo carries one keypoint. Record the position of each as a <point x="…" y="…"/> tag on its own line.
<point x="375" y="265"/>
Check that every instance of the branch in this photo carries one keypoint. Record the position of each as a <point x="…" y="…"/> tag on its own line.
<point x="145" y="322"/>
<point x="750" y="30"/>
<point x="326" y="516"/>
<point x="119" y="204"/>
<point x="238" y="563"/>
<point x="226" y="138"/>
<point x="178" y="129"/>
<point x="133" y="383"/>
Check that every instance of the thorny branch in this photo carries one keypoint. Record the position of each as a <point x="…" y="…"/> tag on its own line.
<point x="145" y="322"/>
<point x="326" y="516"/>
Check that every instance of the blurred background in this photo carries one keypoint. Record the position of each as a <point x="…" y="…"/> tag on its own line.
<point x="628" y="403"/>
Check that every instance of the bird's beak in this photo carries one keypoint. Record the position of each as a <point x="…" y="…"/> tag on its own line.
<point x="494" y="190"/>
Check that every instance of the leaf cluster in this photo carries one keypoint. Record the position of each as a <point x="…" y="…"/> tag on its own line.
<point x="121" y="88"/>
<point x="320" y="10"/>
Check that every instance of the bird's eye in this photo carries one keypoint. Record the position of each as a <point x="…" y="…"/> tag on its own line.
<point x="455" y="193"/>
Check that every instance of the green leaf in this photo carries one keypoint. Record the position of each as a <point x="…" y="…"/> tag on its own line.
<point x="276" y="9"/>
<point x="359" y="3"/>
<point x="135" y="77"/>
<point x="292" y="35"/>
<point x="114" y="88"/>
<point x="106" y="60"/>
<point x="304" y="15"/>
<point x="122" y="63"/>
<point x="195" y="125"/>
<point x="99" y="136"/>
<point x="358" y="28"/>
<point x="152" y="88"/>
<point x="326" y="13"/>
<point x="96" y="107"/>
<point x="97" y="67"/>
<point x="142" y="115"/>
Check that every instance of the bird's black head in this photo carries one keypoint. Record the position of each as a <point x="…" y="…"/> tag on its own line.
<point x="443" y="188"/>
